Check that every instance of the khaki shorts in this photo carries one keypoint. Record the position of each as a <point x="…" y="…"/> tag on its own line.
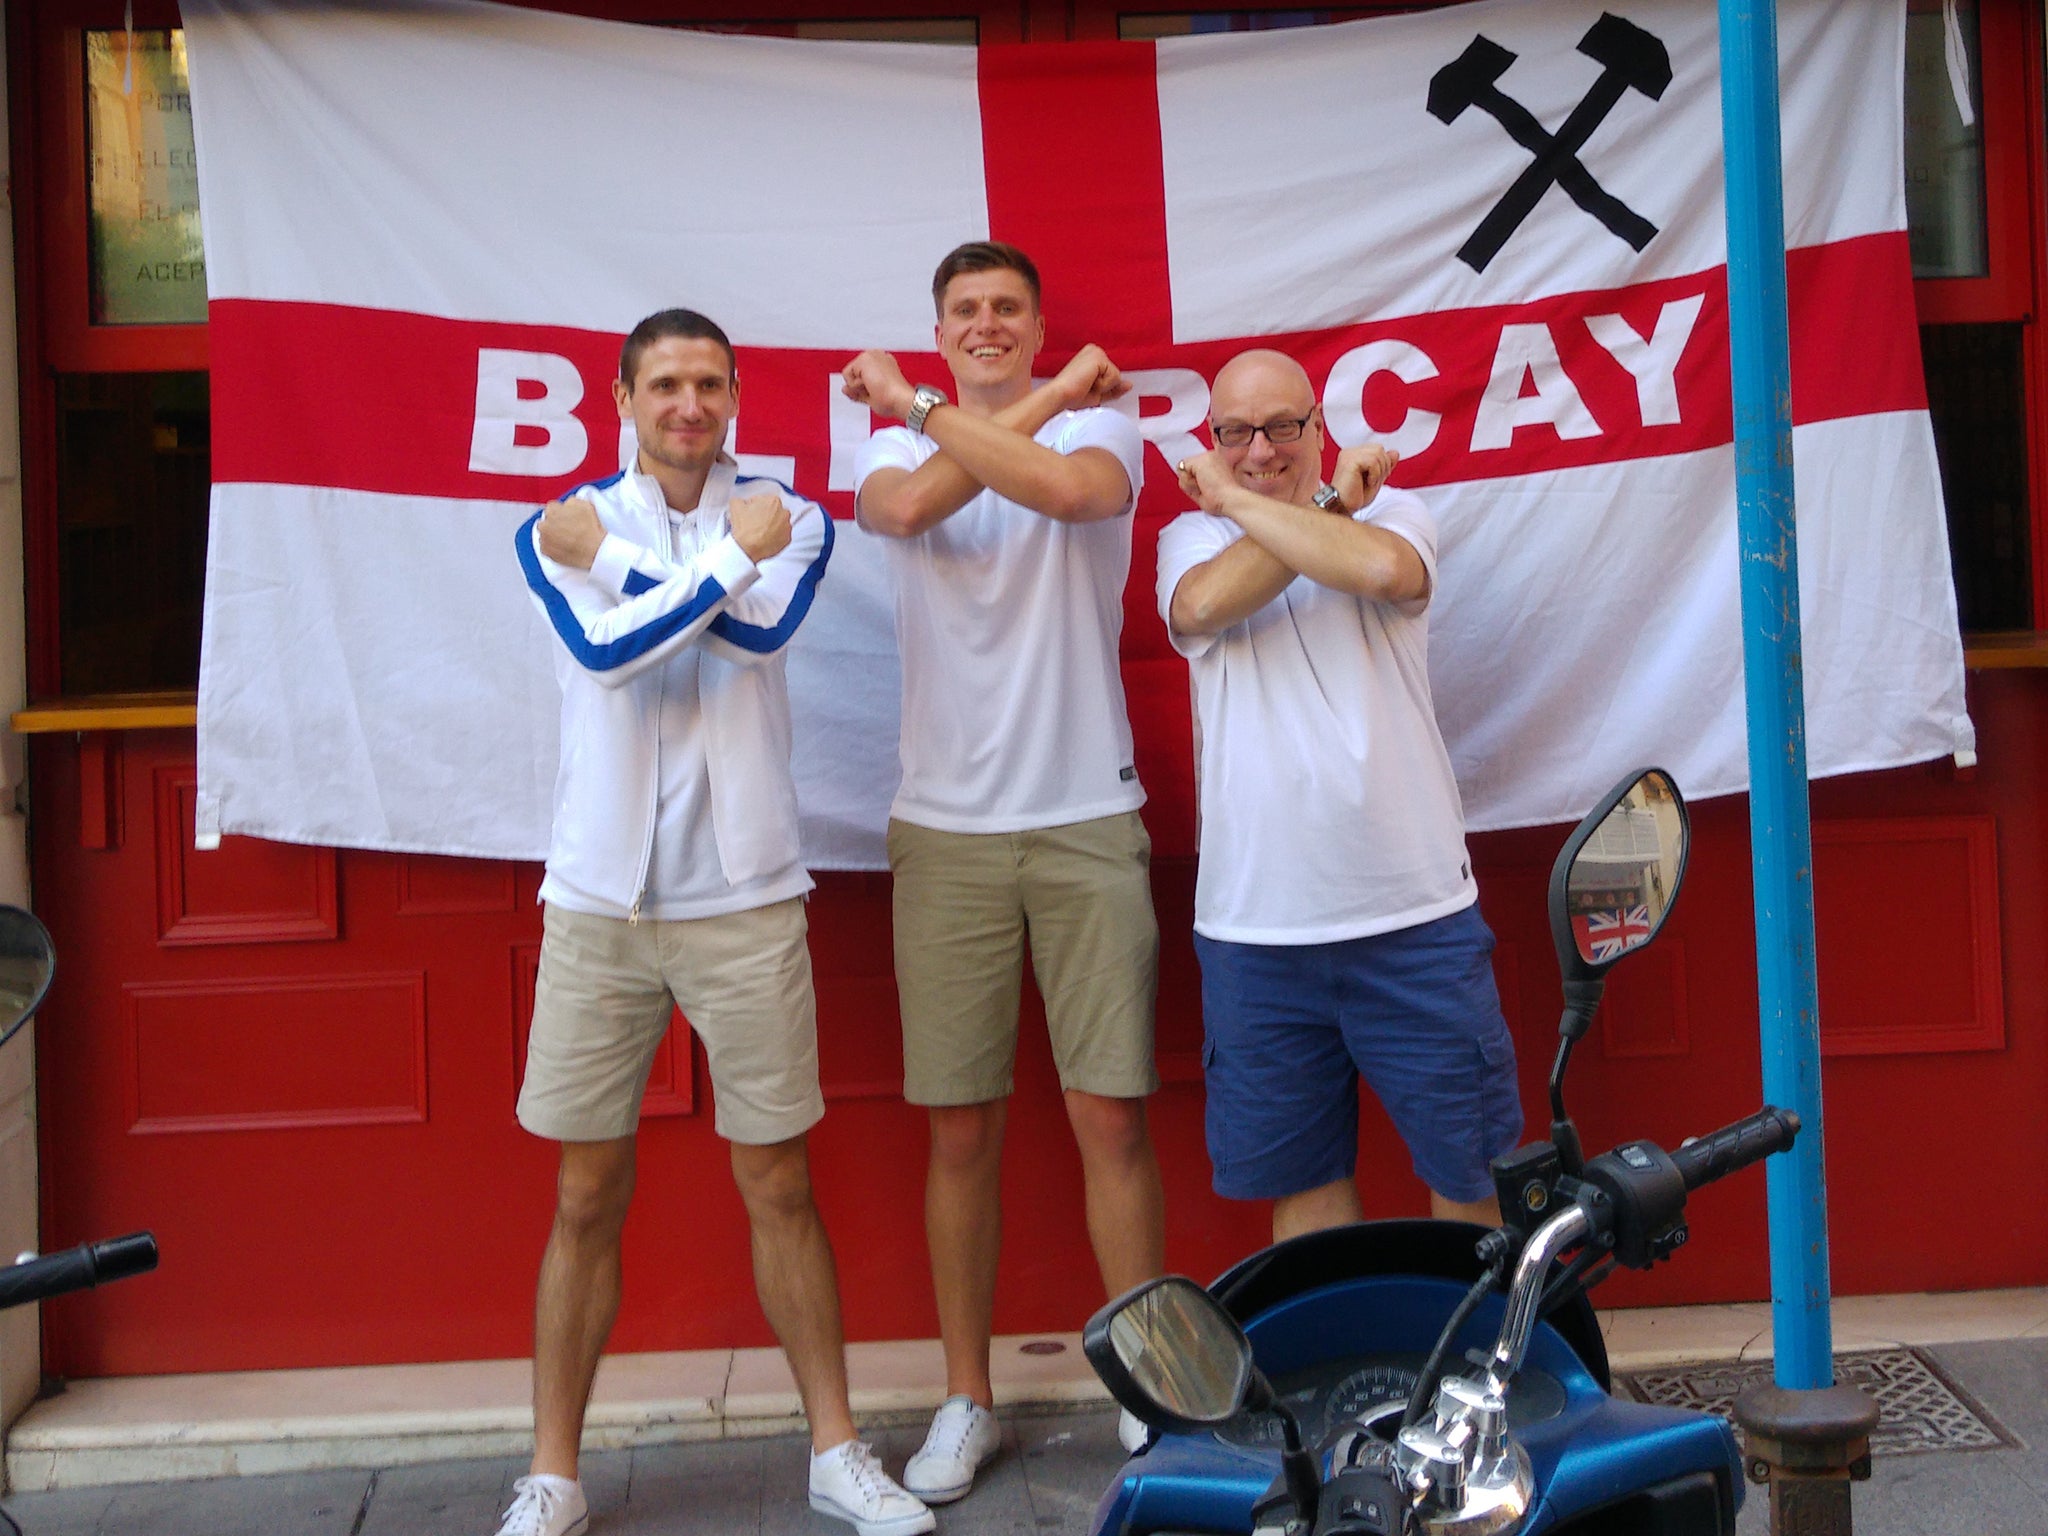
<point x="602" y="1004"/>
<point x="966" y="905"/>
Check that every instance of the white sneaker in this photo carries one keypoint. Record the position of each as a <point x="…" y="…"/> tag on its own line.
<point x="963" y="1436"/>
<point x="848" y="1483"/>
<point x="546" y="1505"/>
<point x="1132" y="1432"/>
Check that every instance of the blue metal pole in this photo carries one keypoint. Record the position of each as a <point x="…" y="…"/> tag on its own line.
<point x="1781" y="846"/>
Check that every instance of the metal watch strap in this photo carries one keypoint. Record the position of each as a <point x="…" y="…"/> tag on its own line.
<point x="1327" y="498"/>
<point x="922" y="404"/>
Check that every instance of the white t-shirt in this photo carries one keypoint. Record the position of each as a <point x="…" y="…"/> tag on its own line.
<point x="1328" y="807"/>
<point x="1007" y="623"/>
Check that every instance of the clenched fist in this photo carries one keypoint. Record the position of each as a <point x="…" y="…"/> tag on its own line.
<point x="1205" y="480"/>
<point x="1091" y="379"/>
<point x="569" y="533"/>
<point x="874" y="379"/>
<point x="1360" y="473"/>
<point x="760" y="525"/>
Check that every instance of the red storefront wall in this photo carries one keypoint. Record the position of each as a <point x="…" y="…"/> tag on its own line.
<point x="298" y="1066"/>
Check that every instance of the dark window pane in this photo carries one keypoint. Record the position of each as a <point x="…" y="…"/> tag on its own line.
<point x="1976" y="394"/>
<point x="133" y="465"/>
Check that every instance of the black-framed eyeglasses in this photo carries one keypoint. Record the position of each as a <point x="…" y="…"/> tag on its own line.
<point x="1236" y="434"/>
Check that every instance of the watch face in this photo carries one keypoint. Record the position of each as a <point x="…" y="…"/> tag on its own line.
<point x="1327" y="498"/>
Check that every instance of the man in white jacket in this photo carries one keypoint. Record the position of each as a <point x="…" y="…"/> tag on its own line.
<point x="673" y="879"/>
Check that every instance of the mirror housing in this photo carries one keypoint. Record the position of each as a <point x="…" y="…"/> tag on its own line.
<point x="1617" y="875"/>
<point x="28" y="962"/>
<point x="1169" y="1352"/>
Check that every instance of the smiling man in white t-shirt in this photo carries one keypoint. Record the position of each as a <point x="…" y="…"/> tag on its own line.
<point x="1335" y="912"/>
<point x="1008" y="514"/>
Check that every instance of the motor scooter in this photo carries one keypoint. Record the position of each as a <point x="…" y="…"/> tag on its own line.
<point x="1300" y="1394"/>
<point x="28" y="964"/>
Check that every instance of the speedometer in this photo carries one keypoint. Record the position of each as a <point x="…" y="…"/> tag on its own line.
<point x="1366" y="1395"/>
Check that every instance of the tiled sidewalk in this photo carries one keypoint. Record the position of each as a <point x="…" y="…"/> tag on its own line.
<point x="701" y="1444"/>
<point x="1046" y="1482"/>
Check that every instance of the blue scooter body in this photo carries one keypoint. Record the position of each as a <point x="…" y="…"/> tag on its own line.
<point x="1320" y="1337"/>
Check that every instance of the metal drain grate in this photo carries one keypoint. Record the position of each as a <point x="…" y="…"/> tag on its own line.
<point x="1919" y="1409"/>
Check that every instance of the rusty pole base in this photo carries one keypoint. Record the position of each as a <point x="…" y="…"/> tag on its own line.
<point x="1807" y="1446"/>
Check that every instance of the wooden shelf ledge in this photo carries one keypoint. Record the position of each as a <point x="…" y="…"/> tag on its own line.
<point x="2006" y="648"/>
<point x="110" y="712"/>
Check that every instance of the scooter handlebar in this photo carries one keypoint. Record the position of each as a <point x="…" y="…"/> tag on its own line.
<point x="1749" y="1140"/>
<point x="77" y="1269"/>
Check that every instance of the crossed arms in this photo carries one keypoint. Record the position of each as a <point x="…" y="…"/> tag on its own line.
<point x="995" y="453"/>
<point x="1283" y="540"/>
<point x="620" y="608"/>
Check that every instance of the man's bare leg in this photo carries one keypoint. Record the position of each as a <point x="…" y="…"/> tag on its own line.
<point x="578" y="1294"/>
<point x="1485" y="1213"/>
<point x="1120" y="1172"/>
<point x="963" y="1223"/>
<point x="795" y="1278"/>
<point x="1313" y="1210"/>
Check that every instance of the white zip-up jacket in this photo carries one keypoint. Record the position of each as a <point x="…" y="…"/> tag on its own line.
<point x="618" y="622"/>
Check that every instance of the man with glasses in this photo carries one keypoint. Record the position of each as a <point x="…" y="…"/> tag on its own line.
<point x="1006" y="508"/>
<point x="1335" y="911"/>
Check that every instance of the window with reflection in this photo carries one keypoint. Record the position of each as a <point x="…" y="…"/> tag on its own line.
<point x="1945" y="189"/>
<point x="142" y="177"/>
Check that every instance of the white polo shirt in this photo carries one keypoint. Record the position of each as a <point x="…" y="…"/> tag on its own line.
<point x="1007" y="623"/>
<point x="1328" y="807"/>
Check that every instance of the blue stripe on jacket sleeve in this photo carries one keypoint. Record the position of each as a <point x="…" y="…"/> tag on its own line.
<point x="604" y="657"/>
<point x="638" y="582"/>
<point x="756" y="637"/>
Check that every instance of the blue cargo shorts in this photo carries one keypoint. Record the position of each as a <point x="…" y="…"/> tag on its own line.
<point x="1289" y="1028"/>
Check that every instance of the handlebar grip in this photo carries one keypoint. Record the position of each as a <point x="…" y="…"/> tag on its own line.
<point x="120" y="1257"/>
<point x="1749" y="1140"/>
<point x="77" y="1269"/>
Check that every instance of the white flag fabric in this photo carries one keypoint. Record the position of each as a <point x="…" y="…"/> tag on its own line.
<point x="1493" y="234"/>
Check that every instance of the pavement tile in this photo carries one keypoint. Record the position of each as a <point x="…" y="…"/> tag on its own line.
<point x="67" y="1512"/>
<point x="300" y="1504"/>
<point x="706" y="1486"/>
<point x="2009" y="1377"/>
<point x="1068" y="1461"/>
<point x="462" y="1498"/>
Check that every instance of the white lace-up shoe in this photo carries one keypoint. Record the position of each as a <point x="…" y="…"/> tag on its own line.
<point x="1132" y="1432"/>
<point x="963" y="1436"/>
<point x="546" y="1505"/>
<point x="848" y="1483"/>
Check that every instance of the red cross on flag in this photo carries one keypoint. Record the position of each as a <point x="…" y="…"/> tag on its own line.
<point x="1493" y="235"/>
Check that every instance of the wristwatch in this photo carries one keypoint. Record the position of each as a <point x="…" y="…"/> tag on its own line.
<point x="1327" y="498"/>
<point x="922" y="404"/>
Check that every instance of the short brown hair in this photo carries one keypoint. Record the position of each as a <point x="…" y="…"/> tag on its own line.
<point x="660" y="326"/>
<point x="984" y="256"/>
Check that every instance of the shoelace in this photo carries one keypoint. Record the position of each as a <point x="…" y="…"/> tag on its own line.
<point x="535" y="1500"/>
<point x="959" y="1426"/>
<point x="866" y="1468"/>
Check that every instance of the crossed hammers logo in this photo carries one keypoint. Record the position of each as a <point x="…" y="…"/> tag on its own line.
<point x="1632" y="59"/>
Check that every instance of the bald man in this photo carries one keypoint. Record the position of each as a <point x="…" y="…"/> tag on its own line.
<point x="1336" y="917"/>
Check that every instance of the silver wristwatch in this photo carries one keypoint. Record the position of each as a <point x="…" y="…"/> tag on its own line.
<point x="1327" y="498"/>
<point x="922" y="404"/>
